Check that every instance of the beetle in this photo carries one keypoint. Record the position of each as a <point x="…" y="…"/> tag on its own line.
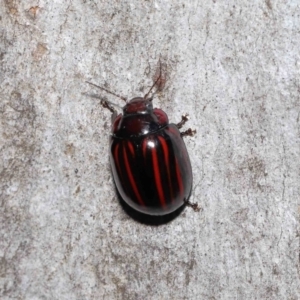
<point x="149" y="160"/>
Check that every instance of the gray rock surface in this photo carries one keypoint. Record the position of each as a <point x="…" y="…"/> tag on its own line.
<point x="233" y="66"/>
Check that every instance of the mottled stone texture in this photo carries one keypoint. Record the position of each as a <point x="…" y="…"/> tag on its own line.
<point x="233" y="66"/>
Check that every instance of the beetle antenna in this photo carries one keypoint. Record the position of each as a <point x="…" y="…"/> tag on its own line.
<point x="102" y="100"/>
<point x="107" y="91"/>
<point x="155" y="83"/>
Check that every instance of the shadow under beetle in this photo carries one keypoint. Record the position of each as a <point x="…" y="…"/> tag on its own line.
<point x="149" y="159"/>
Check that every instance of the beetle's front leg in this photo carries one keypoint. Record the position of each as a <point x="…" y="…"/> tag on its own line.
<point x="105" y="104"/>
<point x="184" y="119"/>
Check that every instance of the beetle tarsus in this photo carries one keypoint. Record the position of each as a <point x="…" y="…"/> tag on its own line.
<point x="189" y="132"/>
<point x="194" y="206"/>
<point x="184" y="119"/>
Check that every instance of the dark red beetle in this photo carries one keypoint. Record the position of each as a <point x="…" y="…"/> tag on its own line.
<point x="149" y="160"/>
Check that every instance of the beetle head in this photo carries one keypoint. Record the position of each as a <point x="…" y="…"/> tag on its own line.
<point x="138" y="106"/>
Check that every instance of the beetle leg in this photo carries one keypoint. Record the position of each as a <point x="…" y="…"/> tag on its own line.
<point x="189" y="132"/>
<point x="194" y="206"/>
<point x="105" y="104"/>
<point x="184" y="119"/>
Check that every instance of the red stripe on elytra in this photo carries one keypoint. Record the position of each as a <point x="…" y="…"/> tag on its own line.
<point x="144" y="147"/>
<point x="179" y="179"/>
<point x="157" y="178"/>
<point x="117" y="162"/>
<point x="167" y="163"/>
<point x="131" y="179"/>
<point x="130" y="148"/>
